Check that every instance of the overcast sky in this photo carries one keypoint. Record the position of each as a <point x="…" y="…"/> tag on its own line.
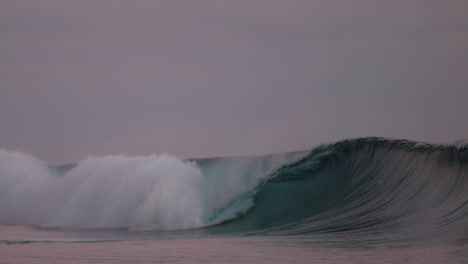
<point x="210" y="77"/>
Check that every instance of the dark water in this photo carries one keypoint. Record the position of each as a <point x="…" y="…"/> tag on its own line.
<point x="368" y="200"/>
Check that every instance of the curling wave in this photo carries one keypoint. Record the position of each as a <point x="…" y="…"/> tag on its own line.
<point x="363" y="186"/>
<point x="367" y="186"/>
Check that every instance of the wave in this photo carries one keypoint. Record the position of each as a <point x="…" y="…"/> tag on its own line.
<point x="143" y="192"/>
<point x="363" y="186"/>
<point x="367" y="186"/>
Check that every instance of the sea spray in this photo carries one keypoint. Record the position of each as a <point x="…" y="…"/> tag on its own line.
<point x="157" y="192"/>
<point x="24" y="181"/>
<point x="160" y="192"/>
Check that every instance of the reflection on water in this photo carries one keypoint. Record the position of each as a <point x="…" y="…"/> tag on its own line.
<point x="27" y="245"/>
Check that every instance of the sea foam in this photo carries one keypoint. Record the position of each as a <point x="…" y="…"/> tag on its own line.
<point x="141" y="192"/>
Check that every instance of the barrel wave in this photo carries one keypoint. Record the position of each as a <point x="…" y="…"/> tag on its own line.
<point x="365" y="187"/>
<point x="368" y="187"/>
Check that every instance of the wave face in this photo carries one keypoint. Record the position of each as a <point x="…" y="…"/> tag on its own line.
<point x="363" y="186"/>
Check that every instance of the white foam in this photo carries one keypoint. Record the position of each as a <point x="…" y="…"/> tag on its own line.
<point x="141" y="192"/>
<point x="462" y="143"/>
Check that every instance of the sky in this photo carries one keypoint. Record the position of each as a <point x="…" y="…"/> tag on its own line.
<point x="214" y="78"/>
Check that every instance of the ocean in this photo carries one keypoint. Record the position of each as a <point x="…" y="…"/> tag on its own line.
<point x="367" y="200"/>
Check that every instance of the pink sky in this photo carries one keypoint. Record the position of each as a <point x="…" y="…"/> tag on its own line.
<point x="209" y="78"/>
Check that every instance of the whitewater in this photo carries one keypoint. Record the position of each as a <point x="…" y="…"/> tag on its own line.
<point x="369" y="197"/>
<point x="141" y="192"/>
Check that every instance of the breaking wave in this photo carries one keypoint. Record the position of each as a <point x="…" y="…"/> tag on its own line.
<point x="142" y="192"/>
<point x="364" y="186"/>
